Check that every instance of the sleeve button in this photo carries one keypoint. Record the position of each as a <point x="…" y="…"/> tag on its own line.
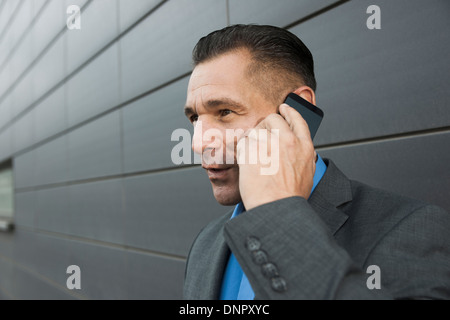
<point x="259" y="257"/>
<point x="269" y="270"/>
<point x="253" y="244"/>
<point x="278" y="284"/>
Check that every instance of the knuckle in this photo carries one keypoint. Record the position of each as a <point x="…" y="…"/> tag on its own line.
<point x="273" y="116"/>
<point x="308" y="145"/>
<point x="291" y="140"/>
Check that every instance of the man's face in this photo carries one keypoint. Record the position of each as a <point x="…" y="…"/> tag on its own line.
<point x="221" y="97"/>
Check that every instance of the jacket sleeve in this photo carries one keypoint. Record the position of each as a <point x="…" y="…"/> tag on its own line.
<point x="287" y="252"/>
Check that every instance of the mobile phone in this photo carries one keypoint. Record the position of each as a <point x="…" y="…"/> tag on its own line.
<point x="312" y="114"/>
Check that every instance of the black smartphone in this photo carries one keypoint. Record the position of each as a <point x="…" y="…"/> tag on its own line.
<point x="312" y="114"/>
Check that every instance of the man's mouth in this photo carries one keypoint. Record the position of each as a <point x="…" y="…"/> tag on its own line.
<point x="217" y="172"/>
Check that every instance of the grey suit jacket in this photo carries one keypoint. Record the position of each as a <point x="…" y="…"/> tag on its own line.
<point x="322" y="248"/>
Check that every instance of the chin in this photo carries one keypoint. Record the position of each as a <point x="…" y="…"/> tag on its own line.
<point x="227" y="196"/>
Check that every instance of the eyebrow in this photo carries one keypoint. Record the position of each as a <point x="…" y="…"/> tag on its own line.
<point x="188" y="110"/>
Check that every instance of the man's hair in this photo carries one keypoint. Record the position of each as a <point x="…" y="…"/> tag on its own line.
<point x="272" y="49"/>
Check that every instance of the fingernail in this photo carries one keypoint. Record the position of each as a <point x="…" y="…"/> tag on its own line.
<point x="282" y="106"/>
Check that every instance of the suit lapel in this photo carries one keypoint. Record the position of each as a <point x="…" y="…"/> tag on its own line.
<point x="215" y="267"/>
<point x="205" y="280"/>
<point x="332" y="191"/>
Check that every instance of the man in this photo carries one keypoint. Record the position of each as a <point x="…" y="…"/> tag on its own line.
<point x="306" y="231"/>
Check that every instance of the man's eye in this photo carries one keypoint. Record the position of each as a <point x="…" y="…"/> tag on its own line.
<point x="225" y="112"/>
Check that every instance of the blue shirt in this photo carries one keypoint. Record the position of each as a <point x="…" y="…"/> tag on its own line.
<point x="235" y="284"/>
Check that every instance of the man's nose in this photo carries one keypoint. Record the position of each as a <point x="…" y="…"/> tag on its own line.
<point x="197" y="143"/>
<point x="205" y="137"/>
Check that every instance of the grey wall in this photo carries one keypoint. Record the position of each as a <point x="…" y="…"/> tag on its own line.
<point x="86" y="117"/>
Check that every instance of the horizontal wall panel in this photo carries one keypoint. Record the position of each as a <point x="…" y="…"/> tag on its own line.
<point x="98" y="27"/>
<point x="25" y="209"/>
<point x="29" y="287"/>
<point x="5" y="83"/>
<point x="37" y="6"/>
<point x="23" y="132"/>
<point x="5" y="14"/>
<point x="6" y="47"/>
<point x="25" y="169"/>
<point x="106" y="273"/>
<point x="132" y="11"/>
<point x="51" y="22"/>
<point x="277" y="13"/>
<point x="20" y="24"/>
<point x="24" y="253"/>
<point x="5" y="144"/>
<point x="21" y="57"/>
<point x="50" y="115"/>
<point x="159" y="48"/>
<point x="169" y="221"/>
<point x="48" y="24"/>
<point x="52" y="210"/>
<point x="43" y="255"/>
<point x="6" y="245"/>
<point x="6" y="280"/>
<point x="148" y="126"/>
<point x="50" y="70"/>
<point x="51" y="162"/>
<point x="22" y="95"/>
<point x="409" y="166"/>
<point x="79" y="3"/>
<point x="380" y="82"/>
<point x="7" y="17"/>
<point x="94" y="148"/>
<point x="95" y="88"/>
<point x="53" y="258"/>
<point x="4" y="295"/>
<point x="152" y="277"/>
<point x="103" y="270"/>
<point x="5" y="111"/>
<point x="96" y="211"/>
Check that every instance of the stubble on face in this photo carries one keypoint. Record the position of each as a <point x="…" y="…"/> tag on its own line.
<point x="231" y="75"/>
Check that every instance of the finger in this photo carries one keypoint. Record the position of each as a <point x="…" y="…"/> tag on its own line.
<point x="240" y="151"/>
<point x="246" y="134"/>
<point x="255" y="145"/>
<point x="295" y="120"/>
<point x="273" y="121"/>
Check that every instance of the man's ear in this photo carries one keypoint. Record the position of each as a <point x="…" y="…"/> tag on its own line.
<point x="306" y="93"/>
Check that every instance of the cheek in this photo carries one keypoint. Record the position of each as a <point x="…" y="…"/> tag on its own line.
<point x="233" y="135"/>
<point x="232" y="138"/>
<point x="236" y="131"/>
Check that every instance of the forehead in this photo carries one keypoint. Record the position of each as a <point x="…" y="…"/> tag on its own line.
<point x="225" y="70"/>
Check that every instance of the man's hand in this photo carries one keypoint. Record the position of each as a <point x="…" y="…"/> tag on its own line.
<point x="296" y="161"/>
